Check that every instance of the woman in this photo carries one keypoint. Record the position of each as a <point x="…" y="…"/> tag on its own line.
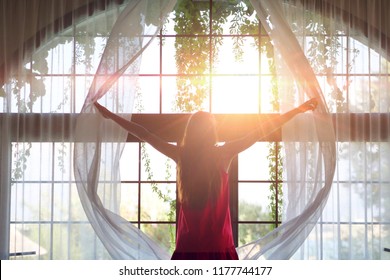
<point x="204" y="228"/>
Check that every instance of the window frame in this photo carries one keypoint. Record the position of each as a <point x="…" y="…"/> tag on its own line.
<point x="361" y="126"/>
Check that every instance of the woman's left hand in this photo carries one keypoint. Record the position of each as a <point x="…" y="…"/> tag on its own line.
<point x="103" y="110"/>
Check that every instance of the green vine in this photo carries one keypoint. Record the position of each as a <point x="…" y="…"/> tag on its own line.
<point x="275" y="160"/>
<point x="191" y="59"/>
<point x="21" y="153"/>
<point x="163" y="196"/>
<point x="192" y="54"/>
<point x="195" y="55"/>
<point x="322" y="53"/>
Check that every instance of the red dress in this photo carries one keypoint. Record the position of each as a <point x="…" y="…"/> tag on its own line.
<point x="206" y="234"/>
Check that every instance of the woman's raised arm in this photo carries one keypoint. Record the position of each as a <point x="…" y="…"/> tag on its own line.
<point x="141" y="133"/>
<point x="231" y="149"/>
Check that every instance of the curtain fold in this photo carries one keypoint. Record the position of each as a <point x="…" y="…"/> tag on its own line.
<point x="309" y="162"/>
<point x="133" y="31"/>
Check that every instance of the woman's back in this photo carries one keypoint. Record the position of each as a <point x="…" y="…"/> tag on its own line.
<point x="206" y="233"/>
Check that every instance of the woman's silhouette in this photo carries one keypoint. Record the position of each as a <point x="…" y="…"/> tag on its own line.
<point x="204" y="228"/>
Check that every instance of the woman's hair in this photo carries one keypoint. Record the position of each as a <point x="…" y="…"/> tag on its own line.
<point x="199" y="177"/>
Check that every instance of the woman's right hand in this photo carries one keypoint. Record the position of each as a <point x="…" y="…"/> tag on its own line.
<point x="308" y="105"/>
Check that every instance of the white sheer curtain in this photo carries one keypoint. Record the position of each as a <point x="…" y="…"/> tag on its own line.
<point x="354" y="224"/>
<point x="133" y="31"/>
<point x="349" y="53"/>
<point x="309" y="148"/>
<point x="45" y="44"/>
<point x="346" y="45"/>
<point x="42" y="88"/>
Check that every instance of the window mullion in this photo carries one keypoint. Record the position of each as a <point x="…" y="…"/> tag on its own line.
<point x="139" y="183"/>
<point x="5" y="187"/>
<point x="233" y="183"/>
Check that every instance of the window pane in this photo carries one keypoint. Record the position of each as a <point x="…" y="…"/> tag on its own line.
<point x="361" y="57"/>
<point x="33" y="240"/>
<point x="63" y="162"/>
<point x="253" y="202"/>
<point x="150" y="62"/>
<point x="251" y="232"/>
<point x="61" y="241"/>
<point x="55" y="57"/>
<point x="163" y="234"/>
<point x="129" y="202"/>
<point x="385" y="236"/>
<point x="76" y="209"/>
<point x="32" y="161"/>
<point x="82" y="85"/>
<point x="266" y="95"/>
<point x="155" y="166"/>
<point x="168" y="56"/>
<point x="84" y="244"/>
<point x="54" y="94"/>
<point x="148" y="95"/>
<point x="88" y="53"/>
<point x="234" y="17"/>
<point x="384" y="193"/>
<point x="153" y="206"/>
<point x="360" y="101"/>
<point x="380" y="85"/>
<point x="253" y="163"/>
<point x="129" y="163"/>
<point x="62" y="201"/>
<point x="235" y="94"/>
<point x="353" y="242"/>
<point x="169" y="95"/>
<point x="232" y="58"/>
<point x="31" y="202"/>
